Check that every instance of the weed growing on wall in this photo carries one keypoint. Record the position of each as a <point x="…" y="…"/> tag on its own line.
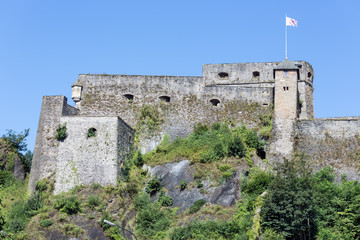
<point x="61" y="132"/>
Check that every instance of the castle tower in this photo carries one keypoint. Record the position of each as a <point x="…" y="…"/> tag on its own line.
<point x="285" y="108"/>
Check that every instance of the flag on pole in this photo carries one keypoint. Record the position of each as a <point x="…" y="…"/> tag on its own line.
<point x="291" y="22"/>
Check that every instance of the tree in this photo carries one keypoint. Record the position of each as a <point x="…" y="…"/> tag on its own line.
<point x="16" y="140"/>
<point x="289" y="207"/>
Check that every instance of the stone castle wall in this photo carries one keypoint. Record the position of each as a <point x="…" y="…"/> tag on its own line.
<point x="97" y="159"/>
<point x="46" y="146"/>
<point x="331" y="141"/>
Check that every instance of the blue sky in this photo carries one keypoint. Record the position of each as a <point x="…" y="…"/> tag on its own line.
<point x="44" y="45"/>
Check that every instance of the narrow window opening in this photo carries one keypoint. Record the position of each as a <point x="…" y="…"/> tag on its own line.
<point x="286" y="89"/>
<point x="223" y="75"/>
<point x="91" y="132"/>
<point x="215" y="102"/>
<point x="129" y="97"/>
<point x="256" y="74"/>
<point x="285" y="73"/>
<point x="165" y="98"/>
<point x="299" y="66"/>
<point x="309" y="74"/>
<point x="265" y="104"/>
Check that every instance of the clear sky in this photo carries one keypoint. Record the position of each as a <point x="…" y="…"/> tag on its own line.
<point x="44" y="45"/>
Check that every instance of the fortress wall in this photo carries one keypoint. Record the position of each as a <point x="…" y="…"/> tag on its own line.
<point x="240" y="73"/>
<point x="334" y="141"/>
<point x="45" y="151"/>
<point x="189" y="101"/>
<point x="85" y="160"/>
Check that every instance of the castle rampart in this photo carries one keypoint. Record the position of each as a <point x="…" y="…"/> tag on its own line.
<point x="237" y="93"/>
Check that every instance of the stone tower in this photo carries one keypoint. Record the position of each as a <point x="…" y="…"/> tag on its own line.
<point x="286" y="108"/>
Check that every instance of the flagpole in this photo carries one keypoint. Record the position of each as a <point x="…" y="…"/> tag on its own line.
<point x="285" y="37"/>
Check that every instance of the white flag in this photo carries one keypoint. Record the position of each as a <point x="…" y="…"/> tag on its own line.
<point x="291" y="22"/>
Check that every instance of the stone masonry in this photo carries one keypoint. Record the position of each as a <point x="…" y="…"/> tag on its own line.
<point x="112" y="104"/>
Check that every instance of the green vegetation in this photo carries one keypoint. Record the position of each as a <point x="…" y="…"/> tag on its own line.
<point x="61" y="132"/>
<point x="196" y="206"/>
<point x="287" y="202"/>
<point x="207" y="144"/>
<point x="16" y="140"/>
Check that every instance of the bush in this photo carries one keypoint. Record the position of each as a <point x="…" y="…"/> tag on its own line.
<point x="200" y="128"/>
<point x="256" y="182"/>
<point x="183" y="185"/>
<point x="46" y="223"/>
<point x="142" y="201"/>
<point x="17" y="218"/>
<point x="151" y="220"/>
<point x="138" y="160"/>
<point x="153" y="186"/>
<point x="165" y="200"/>
<point x="61" y="132"/>
<point x="69" y="205"/>
<point x="252" y="140"/>
<point x="196" y="206"/>
<point x="236" y="147"/>
<point x="93" y="201"/>
<point x="207" y="230"/>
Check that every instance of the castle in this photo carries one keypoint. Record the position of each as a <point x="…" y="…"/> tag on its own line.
<point x="111" y="106"/>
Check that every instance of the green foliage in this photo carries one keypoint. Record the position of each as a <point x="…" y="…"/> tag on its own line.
<point x="150" y="120"/>
<point x="17" y="218"/>
<point x="72" y="230"/>
<point x="150" y="219"/>
<point x="142" y="201"/>
<point x="46" y="223"/>
<point x="289" y="206"/>
<point x="138" y="159"/>
<point x="91" y="132"/>
<point x="41" y="185"/>
<point x="236" y="147"/>
<point x="256" y="182"/>
<point x="197" y="230"/>
<point x="206" y="145"/>
<point x="183" y="185"/>
<point x="196" y="206"/>
<point x="16" y="140"/>
<point x="27" y="160"/>
<point x="61" y="132"/>
<point x="69" y="205"/>
<point x="93" y="201"/>
<point x="165" y="200"/>
<point x="153" y="186"/>
<point x="6" y="178"/>
<point x="21" y="212"/>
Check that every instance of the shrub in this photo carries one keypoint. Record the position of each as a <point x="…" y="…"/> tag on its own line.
<point x="93" y="201"/>
<point x="151" y="220"/>
<point x="200" y="128"/>
<point x="257" y="181"/>
<point x="142" y="201"/>
<point x="165" y="200"/>
<point x="17" y="218"/>
<point x="72" y="230"/>
<point x="196" y="206"/>
<point x="227" y="175"/>
<point x="61" y="132"/>
<point x="183" y="185"/>
<point x="69" y="205"/>
<point x="34" y="203"/>
<point x="252" y="140"/>
<point x="236" y="147"/>
<point x="153" y="186"/>
<point x="138" y="160"/>
<point x="41" y="185"/>
<point x="46" y="223"/>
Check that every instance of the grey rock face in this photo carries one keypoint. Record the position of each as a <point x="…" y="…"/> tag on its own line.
<point x="172" y="174"/>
